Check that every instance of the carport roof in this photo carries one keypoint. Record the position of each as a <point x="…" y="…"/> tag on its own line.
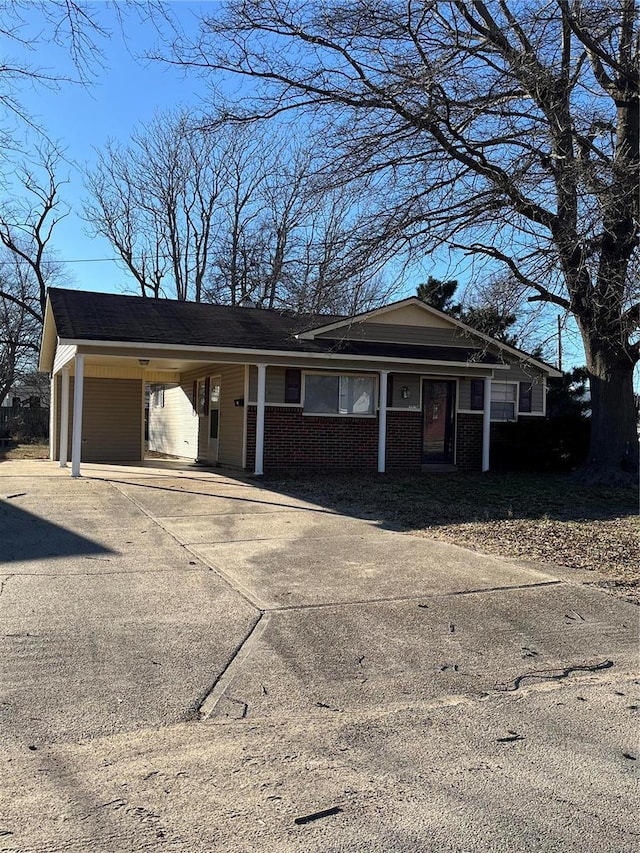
<point x="86" y="316"/>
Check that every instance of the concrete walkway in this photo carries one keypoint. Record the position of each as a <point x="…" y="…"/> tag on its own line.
<point x="193" y="661"/>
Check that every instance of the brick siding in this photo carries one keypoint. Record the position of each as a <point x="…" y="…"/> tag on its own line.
<point x="296" y="441"/>
<point x="404" y="441"/>
<point x="469" y="442"/>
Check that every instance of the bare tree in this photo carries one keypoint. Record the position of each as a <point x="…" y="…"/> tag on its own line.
<point x="27" y="222"/>
<point x="506" y="131"/>
<point x="20" y="329"/>
<point x="155" y="201"/>
<point x="27" y="268"/>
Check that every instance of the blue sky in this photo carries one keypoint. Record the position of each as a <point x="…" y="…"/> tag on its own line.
<point x="125" y="93"/>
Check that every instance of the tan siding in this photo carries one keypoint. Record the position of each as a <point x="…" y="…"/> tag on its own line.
<point x="521" y="372"/>
<point x="410" y="315"/>
<point x="111" y="420"/>
<point x="412" y="382"/>
<point x="231" y="416"/>
<point x="173" y="428"/>
<point x="112" y="371"/>
<point x="275" y="384"/>
<point x="191" y="376"/>
<point x="418" y="335"/>
<point x="464" y="394"/>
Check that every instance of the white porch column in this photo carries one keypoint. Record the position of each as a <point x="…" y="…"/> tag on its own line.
<point x="262" y="386"/>
<point x="486" y="424"/>
<point x="78" y="394"/>
<point x="64" y="418"/>
<point x="382" y="422"/>
<point x="53" y="404"/>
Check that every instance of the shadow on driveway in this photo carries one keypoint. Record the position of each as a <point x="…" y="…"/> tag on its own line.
<point x="24" y="536"/>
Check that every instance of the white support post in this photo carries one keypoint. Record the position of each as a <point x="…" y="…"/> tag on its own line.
<point x="64" y="418"/>
<point x="76" y="438"/>
<point x="53" y="405"/>
<point x="486" y="424"/>
<point x="382" y="422"/>
<point x="262" y="387"/>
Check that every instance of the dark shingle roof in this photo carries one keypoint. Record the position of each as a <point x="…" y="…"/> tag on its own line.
<point x="81" y="315"/>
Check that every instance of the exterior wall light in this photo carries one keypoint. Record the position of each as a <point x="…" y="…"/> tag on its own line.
<point x="405" y="392"/>
<point x="143" y="362"/>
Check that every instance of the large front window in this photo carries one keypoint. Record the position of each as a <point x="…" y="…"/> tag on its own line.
<point x="326" y="394"/>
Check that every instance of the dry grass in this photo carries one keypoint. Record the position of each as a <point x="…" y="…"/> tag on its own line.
<point x="542" y="518"/>
<point x="25" y="451"/>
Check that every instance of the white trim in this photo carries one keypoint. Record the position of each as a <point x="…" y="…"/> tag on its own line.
<point x="78" y="393"/>
<point x="260" y="407"/>
<point x="270" y="404"/>
<point x="471" y="411"/>
<point x="338" y="374"/>
<point x="486" y="425"/>
<point x="64" y="418"/>
<point x="382" y="420"/>
<point x="143" y="385"/>
<point x="516" y="402"/>
<point x="53" y="405"/>
<point x="335" y="415"/>
<point x="247" y="353"/>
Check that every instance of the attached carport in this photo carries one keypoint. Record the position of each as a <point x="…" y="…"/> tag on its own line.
<point x="98" y="399"/>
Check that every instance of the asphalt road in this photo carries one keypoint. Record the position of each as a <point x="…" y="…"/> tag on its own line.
<point x="192" y="662"/>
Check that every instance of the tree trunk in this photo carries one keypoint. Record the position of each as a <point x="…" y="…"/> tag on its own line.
<point x="613" y="451"/>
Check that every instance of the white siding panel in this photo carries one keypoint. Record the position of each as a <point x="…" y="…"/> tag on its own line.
<point x="173" y="428"/>
<point x="63" y="355"/>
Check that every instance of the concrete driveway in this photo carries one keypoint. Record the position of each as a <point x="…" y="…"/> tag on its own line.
<point x="194" y="662"/>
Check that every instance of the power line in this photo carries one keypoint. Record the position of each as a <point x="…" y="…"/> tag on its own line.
<point x="71" y="260"/>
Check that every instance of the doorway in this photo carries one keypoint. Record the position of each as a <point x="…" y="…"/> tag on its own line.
<point x="438" y="421"/>
<point x="214" y="419"/>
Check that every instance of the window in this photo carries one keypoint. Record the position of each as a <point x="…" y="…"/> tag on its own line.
<point x="157" y="396"/>
<point x="525" y="399"/>
<point x="339" y="395"/>
<point x="503" y="401"/>
<point x="477" y="394"/>
<point x="292" y="383"/>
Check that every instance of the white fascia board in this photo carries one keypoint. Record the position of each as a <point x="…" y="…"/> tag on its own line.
<point x="48" y="341"/>
<point x="413" y="300"/>
<point x="245" y="355"/>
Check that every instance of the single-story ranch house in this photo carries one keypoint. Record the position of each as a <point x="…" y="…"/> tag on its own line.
<point x="403" y="387"/>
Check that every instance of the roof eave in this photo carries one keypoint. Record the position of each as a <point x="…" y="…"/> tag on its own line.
<point x="261" y="354"/>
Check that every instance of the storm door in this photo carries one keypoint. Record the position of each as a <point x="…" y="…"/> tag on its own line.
<point x="438" y="420"/>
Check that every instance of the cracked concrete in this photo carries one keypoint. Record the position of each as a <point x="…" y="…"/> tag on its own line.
<point x="194" y="662"/>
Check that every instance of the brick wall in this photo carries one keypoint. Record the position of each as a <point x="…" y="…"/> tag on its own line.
<point x="404" y="441"/>
<point x="469" y="442"/>
<point x="294" y="440"/>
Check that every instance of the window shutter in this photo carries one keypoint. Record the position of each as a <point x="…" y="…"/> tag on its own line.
<point x="526" y="397"/>
<point x="390" y="391"/>
<point x="477" y="394"/>
<point x="292" y="383"/>
<point x="207" y="396"/>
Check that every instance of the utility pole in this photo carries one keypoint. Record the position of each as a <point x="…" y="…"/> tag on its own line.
<point x="559" y="342"/>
